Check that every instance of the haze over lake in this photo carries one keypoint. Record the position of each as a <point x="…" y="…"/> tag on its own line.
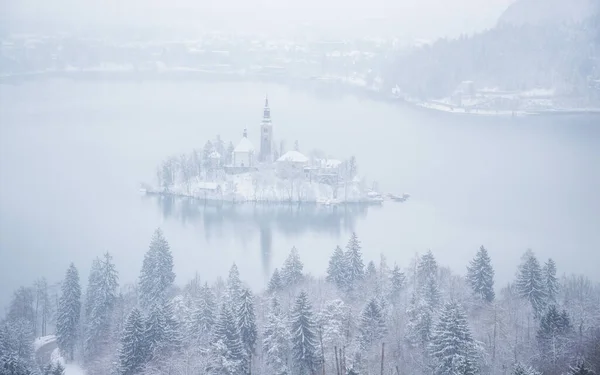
<point x="73" y="153"/>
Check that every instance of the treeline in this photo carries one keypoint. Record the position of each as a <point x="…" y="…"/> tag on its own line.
<point x="358" y="319"/>
<point x="561" y="57"/>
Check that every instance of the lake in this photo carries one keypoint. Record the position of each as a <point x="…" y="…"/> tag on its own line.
<point x="73" y="153"/>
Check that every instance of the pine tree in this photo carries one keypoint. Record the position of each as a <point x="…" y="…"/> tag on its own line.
<point x="553" y="337"/>
<point x="69" y="310"/>
<point x="371" y="270"/>
<point x="372" y="325"/>
<point x="397" y="282"/>
<point x="430" y="293"/>
<point x="247" y="322"/>
<point x="420" y="322"/>
<point x="103" y="292"/>
<point x="304" y="336"/>
<point x="157" y="274"/>
<point x="452" y="345"/>
<point x="161" y="332"/>
<point x="354" y="261"/>
<point x="275" y="284"/>
<point x="427" y="267"/>
<point x="480" y="276"/>
<point x="203" y="317"/>
<point x="276" y="340"/>
<point x="530" y="283"/>
<point x="550" y="281"/>
<point x="335" y="322"/>
<point x="291" y="273"/>
<point x="337" y="269"/>
<point x="234" y="288"/>
<point x="132" y="354"/>
<point x="227" y="347"/>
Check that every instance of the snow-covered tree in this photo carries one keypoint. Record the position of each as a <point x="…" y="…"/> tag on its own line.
<point x="133" y="350"/>
<point x="335" y="320"/>
<point x="227" y="353"/>
<point x="102" y="298"/>
<point x="480" y="276"/>
<point x="203" y="316"/>
<point x="430" y="293"/>
<point x="530" y="282"/>
<point x="234" y="288"/>
<point x="452" y="346"/>
<point x="371" y="272"/>
<point x="521" y="369"/>
<point x="580" y="369"/>
<point x="354" y="261"/>
<point x="275" y="283"/>
<point x="426" y="268"/>
<point x="553" y="340"/>
<point x="276" y="341"/>
<point x="16" y="347"/>
<point x="550" y="281"/>
<point x="157" y="274"/>
<point x="247" y="322"/>
<point x="397" y="282"/>
<point x="69" y="311"/>
<point x="304" y="336"/>
<point x="372" y="326"/>
<point x="420" y="322"/>
<point x="337" y="269"/>
<point x="291" y="273"/>
<point x="162" y="332"/>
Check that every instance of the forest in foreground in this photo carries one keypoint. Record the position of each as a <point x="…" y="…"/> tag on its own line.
<point x="362" y="317"/>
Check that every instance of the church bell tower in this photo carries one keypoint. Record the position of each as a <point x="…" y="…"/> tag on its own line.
<point x="266" y="135"/>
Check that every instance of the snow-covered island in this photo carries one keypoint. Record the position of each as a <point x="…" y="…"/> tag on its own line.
<point x="269" y="174"/>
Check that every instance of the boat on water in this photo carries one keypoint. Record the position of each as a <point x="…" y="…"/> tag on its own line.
<point x="399" y="198"/>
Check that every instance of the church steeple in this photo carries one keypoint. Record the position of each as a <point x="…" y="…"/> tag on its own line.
<point x="266" y="134"/>
<point x="267" y="110"/>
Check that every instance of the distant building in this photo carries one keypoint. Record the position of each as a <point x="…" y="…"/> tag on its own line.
<point x="292" y="164"/>
<point x="266" y="136"/>
<point x="243" y="153"/>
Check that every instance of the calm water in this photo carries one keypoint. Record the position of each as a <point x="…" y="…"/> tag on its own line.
<point x="72" y="155"/>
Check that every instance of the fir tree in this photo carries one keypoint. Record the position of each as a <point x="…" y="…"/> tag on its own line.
<point x="161" y="332"/>
<point x="69" y="310"/>
<point x="337" y="269"/>
<point x="530" y="283"/>
<point x="104" y="296"/>
<point x="550" y="281"/>
<point x="553" y="337"/>
<point x="157" y="274"/>
<point x="275" y="284"/>
<point x="430" y="293"/>
<point x="480" y="276"/>
<point x="427" y="267"/>
<point x="334" y="321"/>
<point x="132" y="354"/>
<point x="452" y="345"/>
<point x="371" y="270"/>
<point x="227" y="346"/>
<point x="291" y="273"/>
<point x="234" y="287"/>
<point x="397" y="282"/>
<point x="203" y="317"/>
<point x="304" y="336"/>
<point x="354" y="261"/>
<point x="420" y="322"/>
<point x="247" y="322"/>
<point x="276" y="340"/>
<point x="372" y="324"/>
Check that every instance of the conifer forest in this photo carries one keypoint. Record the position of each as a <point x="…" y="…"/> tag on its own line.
<point x="364" y="316"/>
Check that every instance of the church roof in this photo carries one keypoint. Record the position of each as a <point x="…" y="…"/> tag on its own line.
<point x="214" y="155"/>
<point x="244" y="146"/>
<point x="293" y="156"/>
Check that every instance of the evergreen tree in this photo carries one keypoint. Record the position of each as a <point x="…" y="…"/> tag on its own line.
<point x="371" y="270"/>
<point x="530" y="283"/>
<point x="427" y="268"/>
<point x="372" y="325"/>
<point x="430" y="293"/>
<point x="304" y="336"/>
<point x="420" y="322"/>
<point x="337" y="269"/>
<point x="550" y="281"/>
<point x="203" y="318"/>
<point x="132" y="354"/>
<point x="291" y="273"/>
<point x="227" y="346"/>
<point x="354" y="261"/>
<point x="161" y="332"/>
<point x="452" y="346"/>
<point x="93" y="282"/>
<point x="335" y="323"/>
<point x="104" y="293"/>
<point x="247" y="322"/>
<point x="275" y="284"/>
<point x="69" y="310"/>
<point x="480" y="276"/>
<point x="553" y="338"/>
<point x="234" y="287"/>
<point x="580" y="369"/>
<point x="157" y="274"/>
<point x="276" y="340"/>
<point x="397" y="282"/>
<point x="521" y="369"/>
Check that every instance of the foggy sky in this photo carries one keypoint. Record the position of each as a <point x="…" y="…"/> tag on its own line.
<point x="423" y="18"/>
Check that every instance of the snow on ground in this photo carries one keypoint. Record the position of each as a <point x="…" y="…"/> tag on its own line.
<point x="41" y="341"/>
<point x="70" y="368"/>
